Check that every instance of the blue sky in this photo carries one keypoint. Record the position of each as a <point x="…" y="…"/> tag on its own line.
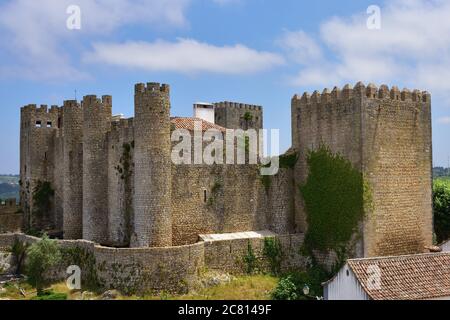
<point x="253" y="51"/>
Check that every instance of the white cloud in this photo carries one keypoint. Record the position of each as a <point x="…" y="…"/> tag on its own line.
<point x="411" y="49"/>
<point x="300" y="47"/>
<point x="34" y="33"/>
<point x="183" y="56"/>
<point x="444" y="120"/>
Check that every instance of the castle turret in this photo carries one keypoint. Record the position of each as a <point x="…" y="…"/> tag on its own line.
<point x="233" y="115"/>
<point x="386" y="134"/>
<point x="37" y="161"/>
<point x="73" y="170"/>
<point x="97" y="115"/>
<point x="153" y="213"/>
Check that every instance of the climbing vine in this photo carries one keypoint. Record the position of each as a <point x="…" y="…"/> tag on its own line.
<point x="218" y="185"/>
<point x="42" y="197"/>
<point x="335" y="196"/>
<point x="250" y="260"/>
<point x="125" y="170"/>
<point x="273" y="253"/>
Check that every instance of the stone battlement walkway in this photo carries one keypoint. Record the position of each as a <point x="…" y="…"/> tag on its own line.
<point x="236" y="236"/>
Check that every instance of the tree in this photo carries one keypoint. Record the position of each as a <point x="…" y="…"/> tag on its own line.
<point x="41" y="257"/>
<point x="441" y="201"/>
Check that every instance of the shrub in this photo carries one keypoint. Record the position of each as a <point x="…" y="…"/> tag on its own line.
<point x="50" y="295"/>
<point x="441" y="200"/>
<point x="285" y="290"/>
<point x="41" y="257"/>
<point x="291" y="286"/>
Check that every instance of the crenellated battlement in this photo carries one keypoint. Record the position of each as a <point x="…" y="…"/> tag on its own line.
<point x="237" y="105"/>
<point x="71" y="104"/>
<point x="360" y="90"/>
<point x="42" y="109"/>
<point x="151" y="87"/>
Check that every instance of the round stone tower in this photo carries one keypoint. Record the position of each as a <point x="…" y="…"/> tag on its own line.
<point x="72" y="170"/>
<point x="97" y="116"/>
<point x="152" y="202"/>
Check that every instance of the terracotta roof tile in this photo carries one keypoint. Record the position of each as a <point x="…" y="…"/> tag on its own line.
<point x="188" y="123"/>
<point x="415" y="277"/>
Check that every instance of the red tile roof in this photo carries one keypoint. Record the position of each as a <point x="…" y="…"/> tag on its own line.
<point x="188" y="123"/>
<point x="414" y="277"/>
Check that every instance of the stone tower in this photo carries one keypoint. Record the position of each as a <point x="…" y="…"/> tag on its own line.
<point x="233" y="115"/>
<point x="97" y="116"/>
<point x="38" y="131"/>
<point x="73" y="170"/>
<point x="386" y="134"/>
<point x="152" y="202"/>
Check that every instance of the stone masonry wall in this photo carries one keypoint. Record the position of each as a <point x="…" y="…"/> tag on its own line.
<point x="386" y="134"/>
<point x="96" y="123"/>
<point x="73" y="170"/>
<point x="397" y="155"/>
<point x="151" y="270"/>
<point x="11" y="219"/>
<point x="121" y="182"/>
<point x="152" y="183"/>
<point x="37" y="155"/>
<point x="232" y="115"/>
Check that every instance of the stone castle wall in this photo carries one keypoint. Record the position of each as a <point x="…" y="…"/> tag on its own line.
<point x="39" y="132"/>
<point x="397" y="154"/>
<point x="152" y="157"/>
<point x="233" y="115"/>
<point x="97" y="116"/>
<point x="174" y="269"/>
<point x="11" y="218"/>
<point x="386" y="134"/>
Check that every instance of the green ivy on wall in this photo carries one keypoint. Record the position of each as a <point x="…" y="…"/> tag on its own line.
<point x="42" y="197"/>
<point x="335" y="197"/>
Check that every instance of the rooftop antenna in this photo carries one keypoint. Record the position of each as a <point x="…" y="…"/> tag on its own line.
<point x="75" y="94"/>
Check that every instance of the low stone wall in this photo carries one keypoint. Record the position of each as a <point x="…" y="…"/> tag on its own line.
<point x="228" y="255"/>
<point x="151" y="270"/>
<point x="10" y="222"/>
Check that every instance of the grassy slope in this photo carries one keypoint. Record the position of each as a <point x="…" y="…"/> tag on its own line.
<point x="242" y="288"/>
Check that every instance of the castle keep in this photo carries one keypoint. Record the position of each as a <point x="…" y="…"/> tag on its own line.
<point x="114" y="182"/>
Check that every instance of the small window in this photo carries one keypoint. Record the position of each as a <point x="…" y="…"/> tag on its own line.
<point x="348" y="273"/>
<point x="38" y="124"/>
<point x="49" y="124"/>
<point x="59" y="123"/>
<point x="205" y="196"/>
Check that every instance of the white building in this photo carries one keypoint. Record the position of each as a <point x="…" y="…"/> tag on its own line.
<point x="204" y="111"/>
<point x="414" y="277"/>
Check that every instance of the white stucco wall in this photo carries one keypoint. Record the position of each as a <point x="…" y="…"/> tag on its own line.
<point x="344" y="286"/>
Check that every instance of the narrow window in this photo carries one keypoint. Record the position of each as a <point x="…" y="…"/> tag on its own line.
<point x="38" y="124"/>
<point x="204" y="196"/>
<point x="49" y="124"/>
<point x="59" y="123"/>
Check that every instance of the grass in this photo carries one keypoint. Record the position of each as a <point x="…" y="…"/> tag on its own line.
<point x="256" y="287"/>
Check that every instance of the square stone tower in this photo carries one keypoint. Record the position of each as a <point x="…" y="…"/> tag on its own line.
<point x="386" y="134"/>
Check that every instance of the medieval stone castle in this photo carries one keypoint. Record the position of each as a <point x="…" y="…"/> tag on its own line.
<point x="115" y="184"/>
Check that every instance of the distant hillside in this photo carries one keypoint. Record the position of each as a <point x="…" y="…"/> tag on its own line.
<point x="9" y="186"/>
<point x="441" y="172"/>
